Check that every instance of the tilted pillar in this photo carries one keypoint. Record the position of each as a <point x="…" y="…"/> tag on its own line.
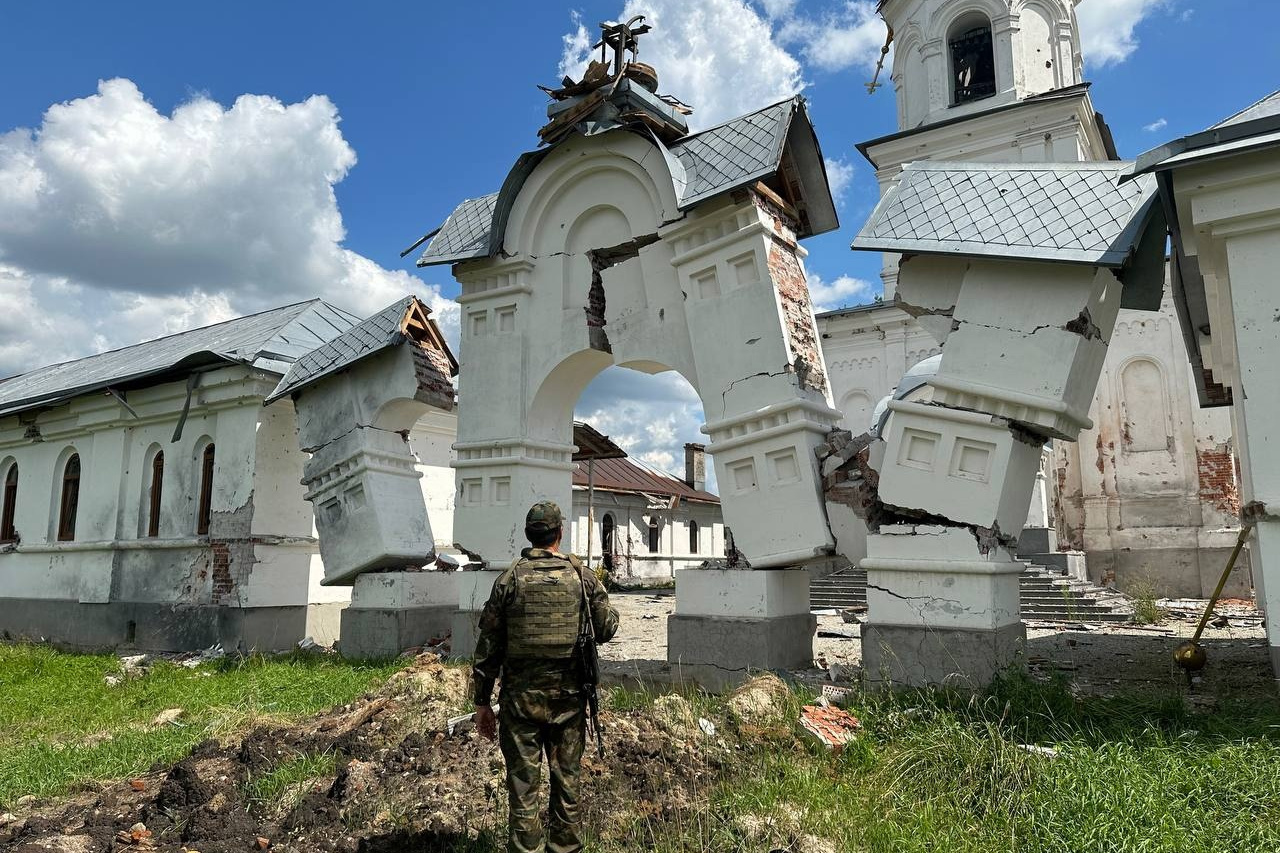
<point x="356" y="399"/>
<point x="1024" y="326"/>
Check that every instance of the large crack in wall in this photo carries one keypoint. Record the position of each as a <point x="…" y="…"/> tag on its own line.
<point x="600" y="260"/>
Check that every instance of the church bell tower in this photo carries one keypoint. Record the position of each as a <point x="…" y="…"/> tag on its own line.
<point x="993" y="81"/>
<point x="954" y="57"/>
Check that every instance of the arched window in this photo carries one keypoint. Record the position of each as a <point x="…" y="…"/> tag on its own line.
<point x="693" y="537"/>
<point x="653" y="536"/>
<point x="70" y="499"/>
<point x="10" y="503"/>
<point x="973" y="63"/>
<point x="205" y="507"/>
<point x="157" y="486"/>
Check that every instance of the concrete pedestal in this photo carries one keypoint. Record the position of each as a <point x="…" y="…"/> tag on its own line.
<point x="394" y="611"/>
<point x="473" y="592"/>
<point x="941" y="608"/>
<point x="728" y="623"/>
<point x="917" y="655"/>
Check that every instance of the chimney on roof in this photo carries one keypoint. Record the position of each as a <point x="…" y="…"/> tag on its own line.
<point x="695" y="466"/>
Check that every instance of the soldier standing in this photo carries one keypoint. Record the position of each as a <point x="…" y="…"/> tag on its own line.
<point x="528" y="631"/>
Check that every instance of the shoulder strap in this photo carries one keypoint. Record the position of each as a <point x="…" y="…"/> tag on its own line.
<point x="584" y="622"/>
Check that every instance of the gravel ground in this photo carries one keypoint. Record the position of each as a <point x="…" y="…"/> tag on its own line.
<point x="1100" y="659"/>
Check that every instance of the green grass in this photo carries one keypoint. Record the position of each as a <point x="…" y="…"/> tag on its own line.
<point x="62" y="725"/>
<point x="286" y="784"/>
<point x="946" y="771"/>
<point x="1143" y="592"/>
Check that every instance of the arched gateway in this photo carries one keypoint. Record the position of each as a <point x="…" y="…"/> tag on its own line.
<point x="628" y="241"/>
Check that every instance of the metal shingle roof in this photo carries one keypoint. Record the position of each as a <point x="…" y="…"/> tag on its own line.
<point x="269" y="340"/>
<point x="376" y="333"/>
<point x="465" y="234"/>
<point x="1076" y="213"/>
<point x="1268" y="106"/>
<point x="733" y="153"/>
<point x="714" y="161"/>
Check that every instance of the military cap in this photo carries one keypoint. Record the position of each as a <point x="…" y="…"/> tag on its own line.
<point x="544" y="515"/>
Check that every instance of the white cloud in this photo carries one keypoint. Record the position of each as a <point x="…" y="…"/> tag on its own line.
<point x="126" y="224"/>
<point x="850" y="36"/>
<point x="718" y="56"/>
<point x="1158" y="124"/>
<point x="778" y="8"/>
<point x="839" y="176"/>
<point x="1107" y="28"/>
<point x="839" y="293"/>
<point x="650" y="417"/>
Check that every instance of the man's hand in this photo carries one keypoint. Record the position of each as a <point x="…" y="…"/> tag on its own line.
<point x="486" y="722"/>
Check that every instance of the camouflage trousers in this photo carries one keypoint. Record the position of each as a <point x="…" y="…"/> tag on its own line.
<point x="529" y="725"/>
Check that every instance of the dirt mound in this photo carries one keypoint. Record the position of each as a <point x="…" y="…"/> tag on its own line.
<point x="383" y="774"/>
<point x="760" y="701"/>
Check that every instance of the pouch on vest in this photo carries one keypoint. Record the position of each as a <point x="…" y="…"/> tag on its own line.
<point x="542" y="621"/>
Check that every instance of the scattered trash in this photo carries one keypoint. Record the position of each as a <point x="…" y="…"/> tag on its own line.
<point x="113" y="680"/>
<point x="308" y="644"/>
<point x="835" y="635"/>
<point x="458" y="725"/>
<point x="137" y="835"/>
<point x="214" y="652"/>
<point x="1047" y="751"/>
<point x="261" y="843"/>
<point x="137" y="784"/>
<point x="1221" y="622"/>
<point x="826" y="611"/>
<point x="831" y="726"/>
<point x="708" y="727"/>
<point x="839" y="696"/>
<point x="850" y="615"/>
<point x="649" y="616"/>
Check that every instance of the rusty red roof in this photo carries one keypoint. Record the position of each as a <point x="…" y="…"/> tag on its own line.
<point x="626" y="475"/>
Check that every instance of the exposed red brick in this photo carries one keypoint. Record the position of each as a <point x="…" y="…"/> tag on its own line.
<point x="788" y="279"/>
<point x="1218" y="484"/>
<point x="431" y="368"/>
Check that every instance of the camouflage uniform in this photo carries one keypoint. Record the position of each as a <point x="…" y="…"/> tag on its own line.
<point x="525" y="630"/>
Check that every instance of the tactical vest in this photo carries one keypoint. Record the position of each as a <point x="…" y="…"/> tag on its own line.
<point x="546" y="611"/>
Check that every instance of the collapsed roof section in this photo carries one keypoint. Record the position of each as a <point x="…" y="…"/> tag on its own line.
<point x="1080" y="213"/>
<point x="406" y="319"/>
<point x="776" y="145"/>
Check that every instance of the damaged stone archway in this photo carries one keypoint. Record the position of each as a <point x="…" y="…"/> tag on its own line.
<point x="620" y="248"/>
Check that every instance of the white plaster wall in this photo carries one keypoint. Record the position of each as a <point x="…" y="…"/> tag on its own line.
<point x="431" y="441"/>
<point x="1130" y="493"/>
<point x="633" y="559"/>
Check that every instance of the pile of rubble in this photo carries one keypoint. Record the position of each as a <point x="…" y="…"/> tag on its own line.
<point x="407" y="773"/>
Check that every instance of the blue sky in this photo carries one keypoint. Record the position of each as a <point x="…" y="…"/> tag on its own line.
<point x="435" y="102"/>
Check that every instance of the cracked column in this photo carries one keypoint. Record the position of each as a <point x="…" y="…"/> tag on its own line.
<point x="356" y="398"/>
<point x="1019" y="272"/>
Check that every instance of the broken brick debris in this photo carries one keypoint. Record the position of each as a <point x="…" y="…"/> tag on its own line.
<point x="833" y="727"/>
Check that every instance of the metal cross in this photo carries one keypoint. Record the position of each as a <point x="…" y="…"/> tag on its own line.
<point x="621" y="38"/>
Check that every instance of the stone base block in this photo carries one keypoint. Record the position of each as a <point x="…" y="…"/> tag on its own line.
<point x="1037" y="540"/>
<point x="739" y="645"/>
<point x="466" y="630"/>
<point x="155" y="627"/>
<point x="370" y="633"/>
<point x="918" y="656"/>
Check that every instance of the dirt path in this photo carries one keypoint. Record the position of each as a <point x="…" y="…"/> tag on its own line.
<point x="1100" y="658"/>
